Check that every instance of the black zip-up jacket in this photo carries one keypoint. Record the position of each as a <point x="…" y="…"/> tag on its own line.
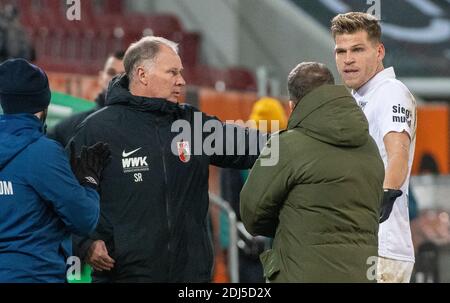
<point x="154" y="206"/>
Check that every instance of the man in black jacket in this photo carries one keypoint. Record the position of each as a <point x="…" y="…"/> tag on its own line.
<point x="154" y="193"/>
<point x="64" y="130"/>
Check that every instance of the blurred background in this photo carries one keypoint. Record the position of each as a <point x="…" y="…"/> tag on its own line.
<point x="236" y="52"/>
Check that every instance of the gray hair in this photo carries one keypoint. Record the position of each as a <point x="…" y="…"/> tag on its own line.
<point x="144" y="51"/>
<point x="307" y="76"/>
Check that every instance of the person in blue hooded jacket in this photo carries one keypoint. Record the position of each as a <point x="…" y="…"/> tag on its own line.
<point x="42" y="201"/>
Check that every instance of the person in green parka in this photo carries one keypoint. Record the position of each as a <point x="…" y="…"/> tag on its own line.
<point x="321" y="201"/>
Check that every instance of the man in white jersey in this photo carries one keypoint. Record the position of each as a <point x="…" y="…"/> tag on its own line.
<point x="391" y="111"/>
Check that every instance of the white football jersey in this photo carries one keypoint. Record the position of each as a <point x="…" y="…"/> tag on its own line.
<point x="390" y="107"/>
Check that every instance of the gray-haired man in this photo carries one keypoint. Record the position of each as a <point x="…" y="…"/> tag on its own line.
<point x="154" y="202"/>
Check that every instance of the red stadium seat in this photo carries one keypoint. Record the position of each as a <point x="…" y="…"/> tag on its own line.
<point x="82" y="46"/>
<point x="239" y="79"/>
<point x="107" y="7"/>
<point x="202" y="75"/>
<point x="189" y="45"/>
<point x="161" y="23"/>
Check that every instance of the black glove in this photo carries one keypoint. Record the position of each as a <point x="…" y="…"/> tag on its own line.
<point x="389" y="197"/>
<point x="89" y="165"/>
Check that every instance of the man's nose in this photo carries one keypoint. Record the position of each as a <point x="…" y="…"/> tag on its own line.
<point x="349" y="59"/>
<point x="180" y="81"/>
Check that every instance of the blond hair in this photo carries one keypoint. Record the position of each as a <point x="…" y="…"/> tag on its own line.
<point x="353" y="22"/>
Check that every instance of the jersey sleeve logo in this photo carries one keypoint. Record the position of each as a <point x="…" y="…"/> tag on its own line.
<point x="401" y="115"/>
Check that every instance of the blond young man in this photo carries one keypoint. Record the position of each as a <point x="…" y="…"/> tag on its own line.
<point x="391" y="111"/>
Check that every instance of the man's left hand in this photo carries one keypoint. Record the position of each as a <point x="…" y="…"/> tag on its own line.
<point x="389" y="197"/>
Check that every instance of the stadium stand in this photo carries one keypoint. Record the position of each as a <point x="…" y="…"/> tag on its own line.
<point x="80" y="47"/>
<point x="417" y="40"/>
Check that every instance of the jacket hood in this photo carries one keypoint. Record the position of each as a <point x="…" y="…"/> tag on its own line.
<point x="16" y="133"/>
<point x="101" y="99"/>
<point x="118" y="93"/>
<point x="330" y="114"/>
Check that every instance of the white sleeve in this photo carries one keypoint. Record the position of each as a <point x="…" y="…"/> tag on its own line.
<point x="398" y="109"/>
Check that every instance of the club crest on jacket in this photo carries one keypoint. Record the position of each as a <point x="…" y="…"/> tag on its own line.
<point x="184" y="151"/>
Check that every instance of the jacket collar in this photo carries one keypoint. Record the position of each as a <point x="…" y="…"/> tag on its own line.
<point x="118" y="93"/>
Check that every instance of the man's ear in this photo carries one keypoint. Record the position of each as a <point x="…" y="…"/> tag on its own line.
<point x="381" y="51"/>
<point x="142" y="76"/>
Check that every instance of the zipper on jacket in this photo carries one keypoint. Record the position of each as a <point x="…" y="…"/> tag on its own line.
<point x="169" y="225"/>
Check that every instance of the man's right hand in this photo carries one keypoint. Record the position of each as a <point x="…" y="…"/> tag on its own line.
<point x="98" y="257"/>
<point x="88" y="167"/>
